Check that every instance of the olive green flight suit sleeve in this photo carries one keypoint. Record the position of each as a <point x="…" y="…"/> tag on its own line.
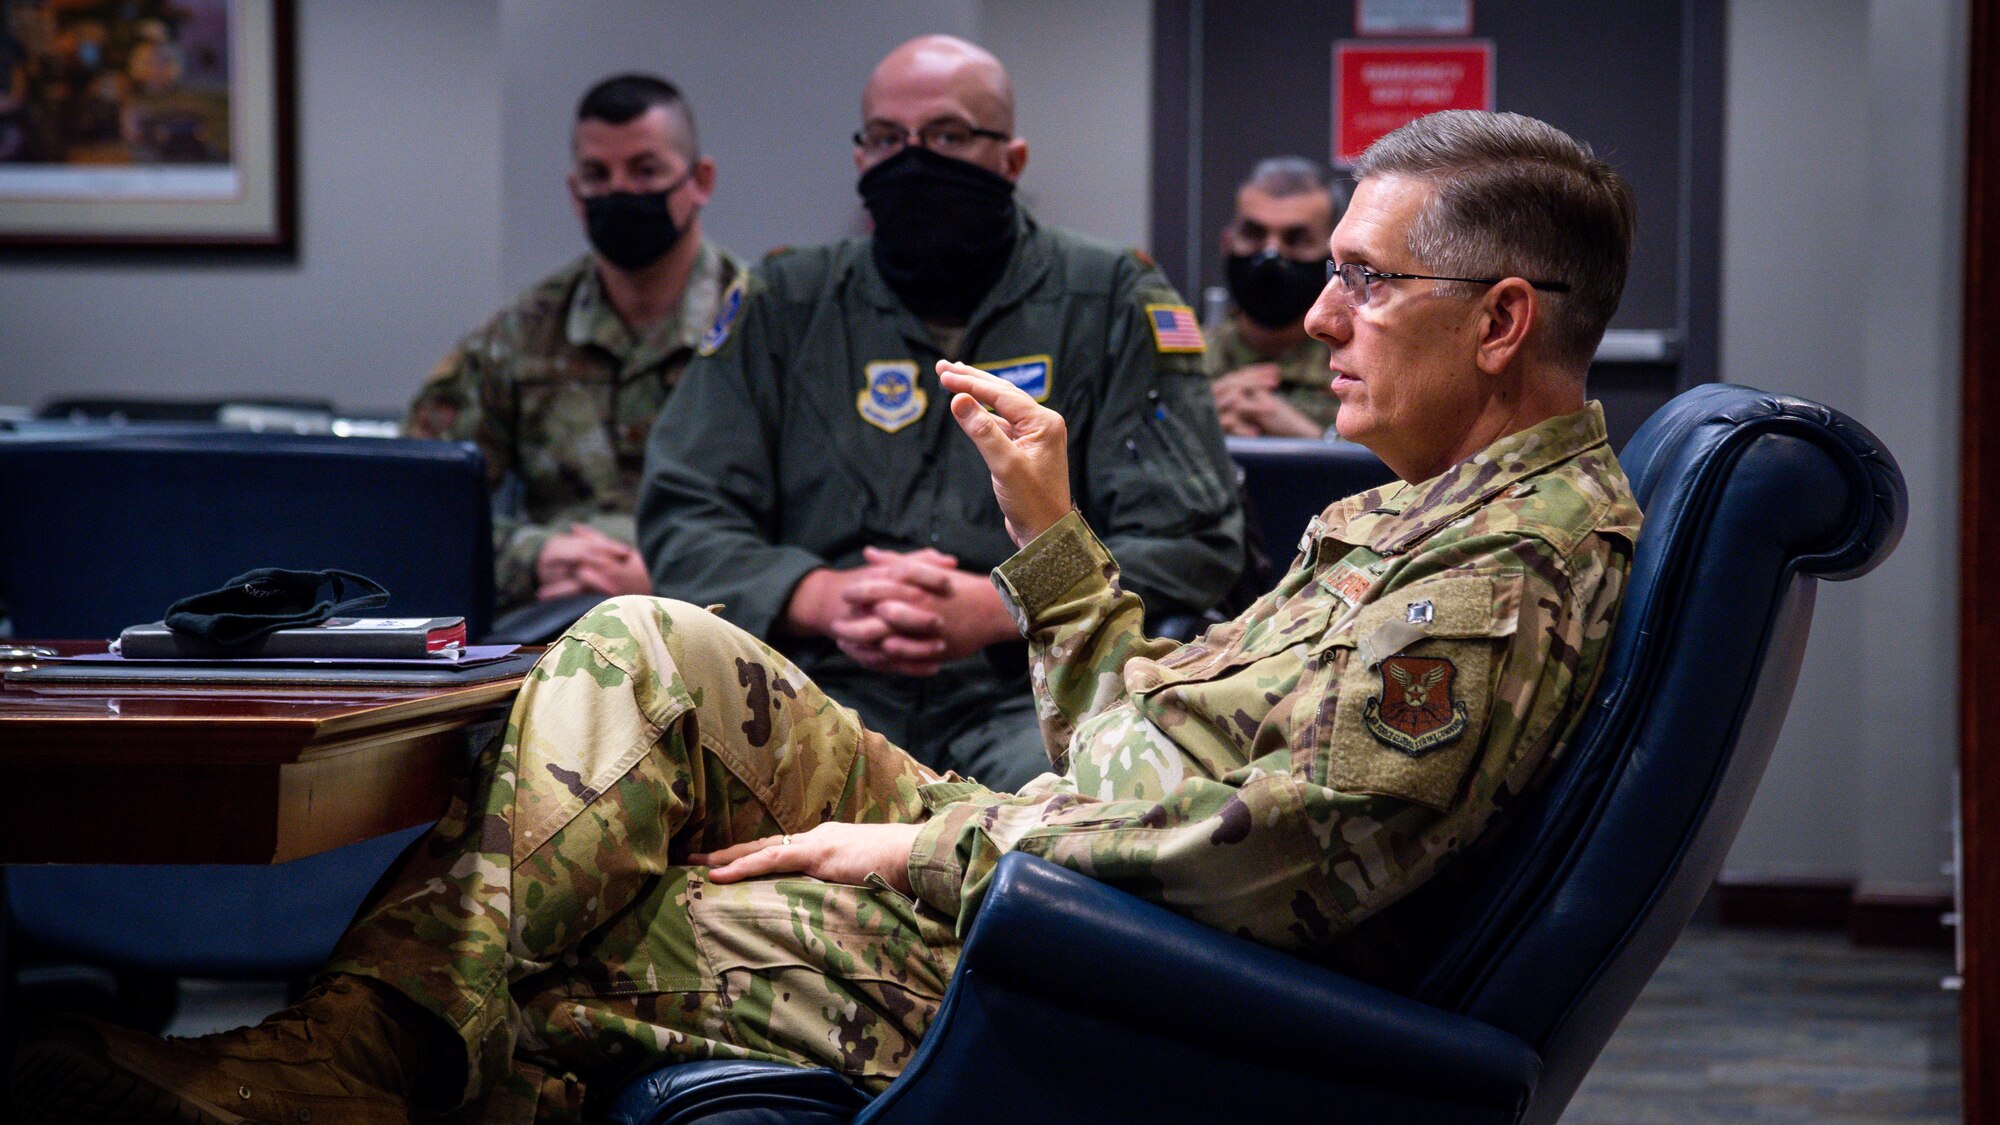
<point x="1154" y="478"/>
<point x="708" y="508"/>
<point x="1319" y="825"/>
<point x="465" y="399"/>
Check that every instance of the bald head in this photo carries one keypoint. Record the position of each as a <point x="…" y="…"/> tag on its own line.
<point x="943" y="68"/>
<point x="941" y="80"/>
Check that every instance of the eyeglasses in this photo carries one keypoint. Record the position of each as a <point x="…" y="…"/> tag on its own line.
<point x="946" y="138"/>
<point x="1355" y="279"/>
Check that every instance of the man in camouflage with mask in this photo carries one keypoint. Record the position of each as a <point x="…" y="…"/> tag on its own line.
<point x="560" y="388"/>
<point x="809" y="481"/>
<point x="1269" y="373"/>
<point x="684" y="850"/>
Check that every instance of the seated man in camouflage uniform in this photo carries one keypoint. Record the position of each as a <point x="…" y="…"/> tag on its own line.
<point x="1269" y="373"/>
<point x="560" y="388"/>
<point x="684" y="850"/>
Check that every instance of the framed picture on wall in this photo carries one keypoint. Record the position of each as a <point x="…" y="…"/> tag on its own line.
<point x="146" y="123"/>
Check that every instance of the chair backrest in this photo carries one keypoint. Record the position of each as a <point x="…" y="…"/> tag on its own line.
<point x="106" y="527"/>
<point x="1287" y="481"/>
<point x="102" y="527"/>
<point x="1749" y="499"/>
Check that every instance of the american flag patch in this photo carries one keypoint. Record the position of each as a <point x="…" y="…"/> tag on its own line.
<point x="1175" y="328"/>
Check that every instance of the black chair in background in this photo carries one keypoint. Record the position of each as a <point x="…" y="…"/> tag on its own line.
<point x="1073" y="1001"/>
<point x="120" y="409"/>
<point x="104" y="527"/>
<point x="1288" y="481"/>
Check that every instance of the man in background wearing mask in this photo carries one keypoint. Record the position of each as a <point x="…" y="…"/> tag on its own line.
<point x="560" y="388"/>
<point x="811" y="481"/>
<point x="1270" y="377"/>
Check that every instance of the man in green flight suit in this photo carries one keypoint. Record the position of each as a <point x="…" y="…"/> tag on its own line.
<point x="1270" y="375"/>
<point x="560" y="388"/>
<point x="684" y="850"/>
<point x="809" y="481"/>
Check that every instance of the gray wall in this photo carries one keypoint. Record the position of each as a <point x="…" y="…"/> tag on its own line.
<point x="777" y="100"/>
<point x="399" y="202"/>
<point x="1844" y="158"/>
<point x="433" y="138"/>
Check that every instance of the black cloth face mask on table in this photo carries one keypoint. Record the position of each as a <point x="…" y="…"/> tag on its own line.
<point x="259" y="602"/>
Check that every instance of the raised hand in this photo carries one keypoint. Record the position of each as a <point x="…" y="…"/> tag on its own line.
<point x="1025" y="445"/>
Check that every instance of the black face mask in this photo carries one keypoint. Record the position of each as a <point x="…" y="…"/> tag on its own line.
<point x="943" y="230"/>
<point x="259" y="602"/>
<point x="1273" y="290"/>
<point x="632" y="229"/>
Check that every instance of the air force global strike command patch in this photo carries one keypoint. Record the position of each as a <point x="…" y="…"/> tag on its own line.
<point x="1415" y="712"/>
<point x="725" y="318"/>
<point x="892" y="399"/>
<point x="1030" y="373"/>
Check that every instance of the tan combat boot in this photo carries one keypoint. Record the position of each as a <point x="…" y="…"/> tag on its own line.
<point x="348" y="1052"/>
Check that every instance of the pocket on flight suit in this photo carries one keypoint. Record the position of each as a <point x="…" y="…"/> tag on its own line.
<point x="844" y="976"/>
<point x="1415" y="687"/>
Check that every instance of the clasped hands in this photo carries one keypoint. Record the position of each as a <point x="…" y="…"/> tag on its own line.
<point x="913" y="612"/>
<point x="1026" y="449"/>
<point x="1247" y="402"/>
<point x="584" y="560"/>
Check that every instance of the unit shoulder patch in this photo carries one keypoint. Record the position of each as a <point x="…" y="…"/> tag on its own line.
<point x="725" y="317"/>
<point x="1415" y="712"/>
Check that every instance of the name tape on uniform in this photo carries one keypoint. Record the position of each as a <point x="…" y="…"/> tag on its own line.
<point x="1031" y="373"/>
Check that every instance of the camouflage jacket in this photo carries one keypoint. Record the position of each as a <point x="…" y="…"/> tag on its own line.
<point x="1292" y="772"/>
<point x="1302" y="375"/>
<point x="559" y="393"/>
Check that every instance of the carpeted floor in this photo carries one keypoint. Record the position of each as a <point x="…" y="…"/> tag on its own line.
<point x="1781" y="1026"/>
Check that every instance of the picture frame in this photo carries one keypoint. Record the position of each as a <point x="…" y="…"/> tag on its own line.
<point x="149" y="123"/>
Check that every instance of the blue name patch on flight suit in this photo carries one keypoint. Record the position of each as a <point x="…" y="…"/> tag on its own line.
<point x="1030" y="373"/>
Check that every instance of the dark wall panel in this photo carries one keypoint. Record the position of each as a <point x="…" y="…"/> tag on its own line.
<point x="1638" y="80"/>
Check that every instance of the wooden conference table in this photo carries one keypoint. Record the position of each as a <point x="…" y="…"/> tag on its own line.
<point x="153" y="773"/>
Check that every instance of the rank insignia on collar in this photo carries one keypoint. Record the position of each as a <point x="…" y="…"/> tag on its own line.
<point x="1030" y="373"/>
<point x="1415" y="712"/>
<point x="725" y="318"/>
<point x="1348" y="583"/>
<point x="892" y="399"/>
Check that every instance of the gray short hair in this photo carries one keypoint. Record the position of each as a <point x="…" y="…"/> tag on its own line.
<point x="1517" y="197"/>
<point x="1282" y="176"/>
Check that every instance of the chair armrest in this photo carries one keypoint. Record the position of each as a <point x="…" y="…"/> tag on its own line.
<point x="1048" y="931"/>
<point x="731" y="1092"/>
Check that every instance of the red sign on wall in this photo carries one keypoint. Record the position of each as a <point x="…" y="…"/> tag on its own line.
<point x="1378" y="87"/>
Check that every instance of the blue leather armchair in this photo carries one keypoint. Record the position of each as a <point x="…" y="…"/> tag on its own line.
<point x="104" y="527"/>
<point x="1076" y="1002"/>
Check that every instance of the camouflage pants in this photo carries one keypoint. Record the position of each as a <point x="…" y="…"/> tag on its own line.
<point x="550" y="918"/>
